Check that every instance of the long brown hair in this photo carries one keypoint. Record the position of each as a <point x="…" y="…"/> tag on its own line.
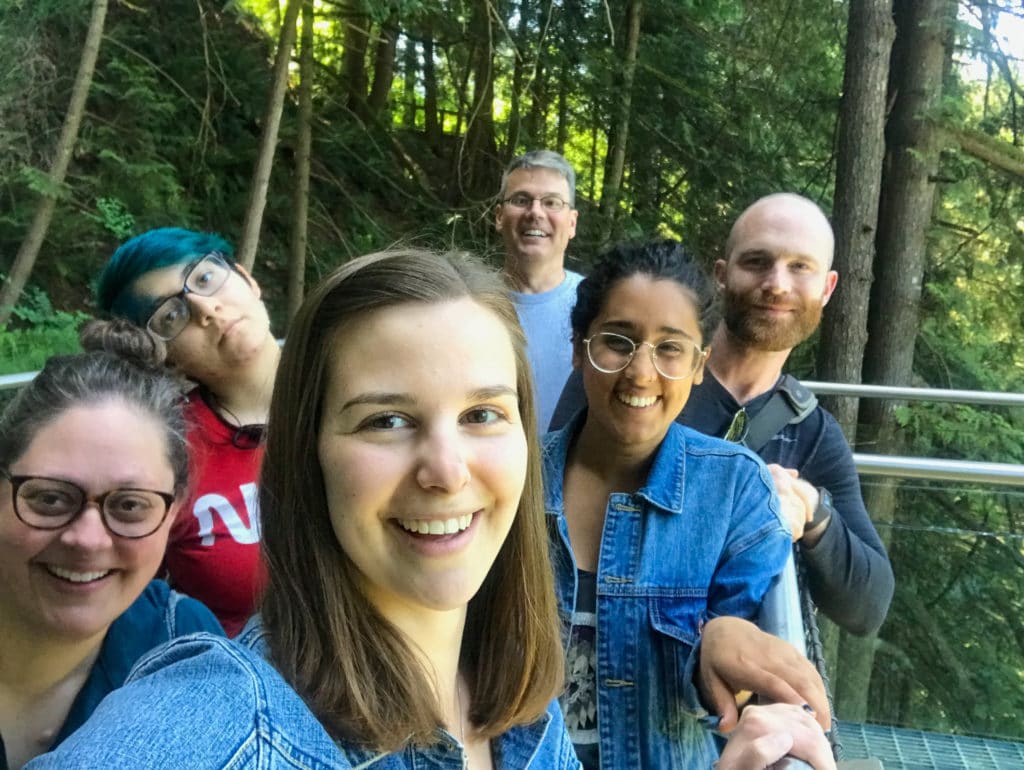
<point x="354" y="669"/>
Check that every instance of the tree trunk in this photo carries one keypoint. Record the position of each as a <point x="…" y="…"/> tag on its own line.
<point x="617" y="148"/>
<point x="515" y="118"/>
<point x="383" y="66"/>
<point x="431" y="125"/>
<point x="861" y="150"/>
<point x="908" y="190"/>
<point x="536" y="118"/>
<point x="562" y="134"/>
<point x="300" y="222"/>
<point x="481" y="156"/>
<point x="410" y="68"/>
<point x="25" y="259"/>
<point x="268" y="141"/>
<point x="353" y="60"/>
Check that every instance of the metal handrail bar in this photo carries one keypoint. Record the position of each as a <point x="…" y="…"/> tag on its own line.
<point x="10" y="381"/>
<point x="867" y="464"/>
<point x="985" y="398"/>
<point x="1007" y="474"/>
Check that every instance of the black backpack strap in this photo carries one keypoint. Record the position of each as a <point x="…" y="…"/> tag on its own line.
<point x="790" y="404"/>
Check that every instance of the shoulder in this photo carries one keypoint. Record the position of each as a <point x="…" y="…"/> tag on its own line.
<point x="159" y="614"/>
<point x="822" y="432"/>
<point x="695" y="444"/>
<point x="691" y="464"/>
<point x="200" y="701"/>
<point x="544" y="744"/>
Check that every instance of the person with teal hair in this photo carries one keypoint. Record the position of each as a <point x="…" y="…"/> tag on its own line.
<point x="186" y="288"/>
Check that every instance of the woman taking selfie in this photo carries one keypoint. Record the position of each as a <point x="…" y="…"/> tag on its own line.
<point x="185" y="288"/>
<point x="92" y="473"/>
<point x="410" y="614"/>
<point x="656" y="529"/>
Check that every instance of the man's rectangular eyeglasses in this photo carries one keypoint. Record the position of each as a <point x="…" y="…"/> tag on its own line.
<point x="205" y="278"/>
<point x="523" y="201"/>
<point x="45" y="503"/>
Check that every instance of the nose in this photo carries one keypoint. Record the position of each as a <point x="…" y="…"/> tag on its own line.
<point x="87" y="531"/>
<point x="777" y="280"/>
<point x="442" y="465"/>
<point x="641" y="367"/>
<point x="202" y="308"/>
<point x="535" y="208"/>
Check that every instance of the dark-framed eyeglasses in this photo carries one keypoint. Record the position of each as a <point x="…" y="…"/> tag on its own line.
<point x="41" y="502"/>
<point x="673" y="359"/>
<point x="205" y="278"/>
<point x="552" y="203"/>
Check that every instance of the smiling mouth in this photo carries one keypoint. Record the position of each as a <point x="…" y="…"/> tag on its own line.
<point x="437" y="527"/>
<point x="77" y="577"/>
<point x="637" y="402"/>
<point x="535" y="234"/>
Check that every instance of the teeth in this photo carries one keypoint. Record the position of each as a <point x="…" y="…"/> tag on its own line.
<point x="536" y="233"/>
<point x="77" y="577"/>
<point x="636" y="401"/>
<point x="437" y="526"/>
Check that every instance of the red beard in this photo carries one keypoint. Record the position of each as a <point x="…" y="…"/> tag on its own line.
<point x="745" y="318"/>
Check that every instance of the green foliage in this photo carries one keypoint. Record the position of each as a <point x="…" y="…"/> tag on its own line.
<point x="115" y="217"/>
<point x="40" y="331"/>
<point x="732" y="100"/>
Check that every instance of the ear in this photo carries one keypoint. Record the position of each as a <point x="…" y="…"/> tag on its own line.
<point x="573" y="216"/>
<point x="831" y="279"/>
<point x="498" y="217"/>
<point x="577" y="352"/>
<point x="176" y="506"/>
<point x="720" y="269"/>
<point x="248" y="277"/>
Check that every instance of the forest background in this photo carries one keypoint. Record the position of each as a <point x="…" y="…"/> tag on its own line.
<point x="903" y="119"/>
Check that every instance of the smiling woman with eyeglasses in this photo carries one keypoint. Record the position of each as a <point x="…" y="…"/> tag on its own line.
<point x="93" y="470"/>
<point x="187" y="290"/>
<point x="656" y="530"/>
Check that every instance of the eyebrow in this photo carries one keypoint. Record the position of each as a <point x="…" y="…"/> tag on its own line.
<point x="755" y="253"/>
<point x="186" y="267"/>
<point x="542" y="195"/>
<point x="384" y="398"/>
<point x="631" y="327"/>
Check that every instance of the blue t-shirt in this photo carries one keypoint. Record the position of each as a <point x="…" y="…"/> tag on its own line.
<point x="545" y="320"/>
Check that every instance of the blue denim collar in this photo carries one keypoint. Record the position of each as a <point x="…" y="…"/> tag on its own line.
<point x="663" y="488"/>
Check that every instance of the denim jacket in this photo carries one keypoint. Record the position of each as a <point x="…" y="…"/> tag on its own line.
<point x="702" y="538"/>
<point x="207" y="702"/>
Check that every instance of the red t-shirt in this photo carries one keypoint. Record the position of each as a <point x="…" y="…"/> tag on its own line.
<point x="213" y="553"/>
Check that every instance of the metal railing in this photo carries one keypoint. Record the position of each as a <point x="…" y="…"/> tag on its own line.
<point x="869" y="464"/>
<point x="899" y="393"/>
<point x="11" y="381"/>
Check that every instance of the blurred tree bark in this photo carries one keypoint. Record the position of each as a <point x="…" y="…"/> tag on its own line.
<point x="268" y="141"/>
<point x="480" y="162"/>
<point x="303" y="151"/>
<point x="619" y="135"/>
<point x="383" y="66"/>
<point x="923" y="32"/>
<point x="861" y="150"/>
